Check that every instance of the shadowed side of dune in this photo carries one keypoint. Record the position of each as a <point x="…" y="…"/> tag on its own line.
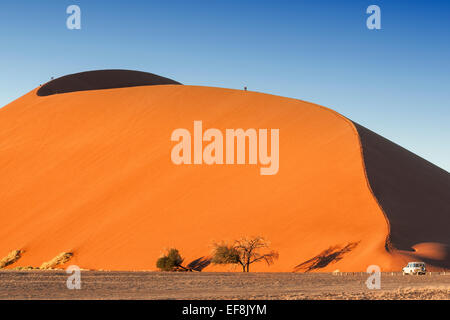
<point x="102" y="79"/>
<point x="414" y="193"/>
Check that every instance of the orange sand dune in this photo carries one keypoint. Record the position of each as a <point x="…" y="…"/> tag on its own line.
<point x="90" y="172"/>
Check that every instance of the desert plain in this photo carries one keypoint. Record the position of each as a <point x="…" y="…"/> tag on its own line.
<point x="101" y="285"/>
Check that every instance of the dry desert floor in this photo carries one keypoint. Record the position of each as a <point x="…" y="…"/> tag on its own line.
<point x="158" y="285"/>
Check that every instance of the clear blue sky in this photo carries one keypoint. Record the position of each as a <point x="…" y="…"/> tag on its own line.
<point x="395" y="81"/>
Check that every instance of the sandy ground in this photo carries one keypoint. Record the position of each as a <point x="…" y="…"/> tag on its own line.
<point x="156" y="285"/>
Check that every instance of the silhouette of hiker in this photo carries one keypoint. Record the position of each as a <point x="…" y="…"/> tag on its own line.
<point x="245" y="88"/>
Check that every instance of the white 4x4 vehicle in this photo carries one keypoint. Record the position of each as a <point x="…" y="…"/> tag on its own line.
<point x="415" y="268"/>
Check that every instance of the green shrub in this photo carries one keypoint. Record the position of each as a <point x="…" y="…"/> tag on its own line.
<point x="171" y="261"/>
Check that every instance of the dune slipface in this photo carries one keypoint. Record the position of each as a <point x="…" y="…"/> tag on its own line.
<point x="89" y="172"/>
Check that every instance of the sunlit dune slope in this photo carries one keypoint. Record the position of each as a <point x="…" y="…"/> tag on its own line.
<point x="90" y="173"/>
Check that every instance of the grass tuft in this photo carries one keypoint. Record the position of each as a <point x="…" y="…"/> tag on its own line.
<point x="56" y="261"/>
<point x="12" y="257"/>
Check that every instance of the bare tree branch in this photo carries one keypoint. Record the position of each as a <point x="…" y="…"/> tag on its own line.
<point x="244" y="251"/>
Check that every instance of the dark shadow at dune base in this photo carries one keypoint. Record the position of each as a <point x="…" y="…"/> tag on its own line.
<point x="199" y="264"/>
<point x="102" y="79"/>
<point x="323" y="259"/>
<point x="413" y="193"/>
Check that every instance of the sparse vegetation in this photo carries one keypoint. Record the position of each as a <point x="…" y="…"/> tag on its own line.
<point x="12" y="257"/>
<point x="15" y="255"/>
<point x="171" y="261"/>
<point x="25" y="268"/>
<point x="56" y="261"/>
<point x="244" y="252"/>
